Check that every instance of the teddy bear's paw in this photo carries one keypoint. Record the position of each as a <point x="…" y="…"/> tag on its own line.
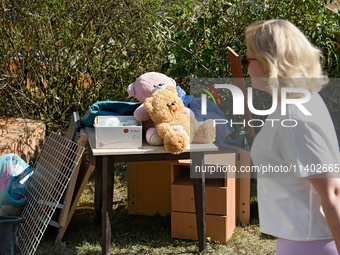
<point x="156" y="140"/>
<point x="176" y="142"/>
<point x="206" y="132"/>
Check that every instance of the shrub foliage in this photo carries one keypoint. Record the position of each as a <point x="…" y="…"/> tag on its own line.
<point x="60" y="56"/>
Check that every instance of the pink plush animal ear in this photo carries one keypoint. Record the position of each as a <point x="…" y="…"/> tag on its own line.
<point x="172" y="89"/>
<point x="173" y="81"/>
<point x="131" y="90"/>
<point x="148" y="104"/>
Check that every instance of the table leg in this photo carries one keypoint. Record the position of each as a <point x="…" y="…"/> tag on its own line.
<point x="199" y="193"/>
<point x="110" y="188"/>
<point x="107" y="195"/>
<point x="98" y="191"/>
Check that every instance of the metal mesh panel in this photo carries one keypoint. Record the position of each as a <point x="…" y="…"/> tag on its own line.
<point x="52" y="172"/>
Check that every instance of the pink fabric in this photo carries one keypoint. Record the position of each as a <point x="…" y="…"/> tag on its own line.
<point x="149" y="134"/>
<point x="5" y="177"/>
<point x="318" y="247"/>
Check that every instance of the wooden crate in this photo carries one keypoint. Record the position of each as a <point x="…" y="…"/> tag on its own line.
<point x="216" y="199"/>
<point x="149" y="188"/>
<point x="220" y="197"/>
<point x="219" y="227"/>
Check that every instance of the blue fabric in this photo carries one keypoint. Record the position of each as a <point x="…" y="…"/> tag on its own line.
<point x="15" y="175"/>
<point x="241" y="141"/>
<point x="182" y="95"/>
<point x="110" y="108"/>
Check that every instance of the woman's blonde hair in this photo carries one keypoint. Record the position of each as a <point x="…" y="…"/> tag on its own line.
<point x="285" y="53"/>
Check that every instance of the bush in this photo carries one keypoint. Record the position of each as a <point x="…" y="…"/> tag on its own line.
<point x="61" y="56"/>
<point x="195" y="35"/>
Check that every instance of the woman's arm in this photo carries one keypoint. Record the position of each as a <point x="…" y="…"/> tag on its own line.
<point x="328" y="189"/>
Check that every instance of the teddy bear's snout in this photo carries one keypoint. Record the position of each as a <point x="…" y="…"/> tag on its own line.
<point x="173" y="107"/>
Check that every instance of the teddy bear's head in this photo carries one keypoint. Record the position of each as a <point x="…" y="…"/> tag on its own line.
<point x="147" y="83"/>
<point x="164" y="105"/>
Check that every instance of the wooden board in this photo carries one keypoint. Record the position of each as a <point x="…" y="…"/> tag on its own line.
<point x="219" y="227"/>
<point x="243" y="159"/>
<point x="149" y="187"/>
<point x="81" y="178"/>
<point x="72" y="134"/>
<point x="236" y="70"/>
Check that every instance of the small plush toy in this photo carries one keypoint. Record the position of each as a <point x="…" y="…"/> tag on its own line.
<point x="177" y="129"/>
<point x="143" y="88"/>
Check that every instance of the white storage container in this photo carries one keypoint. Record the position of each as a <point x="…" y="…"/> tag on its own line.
<point x="118" y="137"/>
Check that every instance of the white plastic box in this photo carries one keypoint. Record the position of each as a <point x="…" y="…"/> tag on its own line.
<point x="118" y="137"/>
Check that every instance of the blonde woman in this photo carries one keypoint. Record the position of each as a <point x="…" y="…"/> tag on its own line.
<point x="302" y="206"/>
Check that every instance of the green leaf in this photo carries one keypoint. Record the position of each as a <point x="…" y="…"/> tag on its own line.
<point x="172" y="58"/>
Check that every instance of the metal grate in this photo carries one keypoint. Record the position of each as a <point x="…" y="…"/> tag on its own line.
<point x="52" y="172"/>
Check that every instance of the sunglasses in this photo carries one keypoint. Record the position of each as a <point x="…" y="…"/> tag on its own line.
<point x="245" y="61"/>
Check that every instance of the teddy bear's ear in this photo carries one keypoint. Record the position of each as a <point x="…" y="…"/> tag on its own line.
<point x="172" y="89"/>
<point x="148" y="104"/>
<point x="131" y="90"/>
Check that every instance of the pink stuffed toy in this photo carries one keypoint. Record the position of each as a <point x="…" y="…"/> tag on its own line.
<point x="143" y="88"/>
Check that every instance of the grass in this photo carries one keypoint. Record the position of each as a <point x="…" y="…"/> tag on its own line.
<point x="137" y="234"/>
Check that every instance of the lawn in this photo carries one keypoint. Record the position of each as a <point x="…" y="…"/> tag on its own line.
<point x="137" y="234"/>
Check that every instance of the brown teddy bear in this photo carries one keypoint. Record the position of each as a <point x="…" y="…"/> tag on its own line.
<point x="177" y="129"/>
<point x="143" y="88"/>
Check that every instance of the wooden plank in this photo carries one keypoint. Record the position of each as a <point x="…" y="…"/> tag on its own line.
<point x="132" y="188"/>
<point x="243" y="185"/>
<point x="72" y="134"/>
<point x="83" y="177"/>
<point x="154" y="187"/>
<point x="231" y="200"/>
<point x="183" y="226"/>
<point x="74" y="128"/>
<point x="68" y="197"/>
<point x="237" y="73"/>
<point x="243" y="182"/>
<point x="216" y="199"/>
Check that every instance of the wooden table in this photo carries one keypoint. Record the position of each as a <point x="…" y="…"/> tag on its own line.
<point x="105" y="159"/>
